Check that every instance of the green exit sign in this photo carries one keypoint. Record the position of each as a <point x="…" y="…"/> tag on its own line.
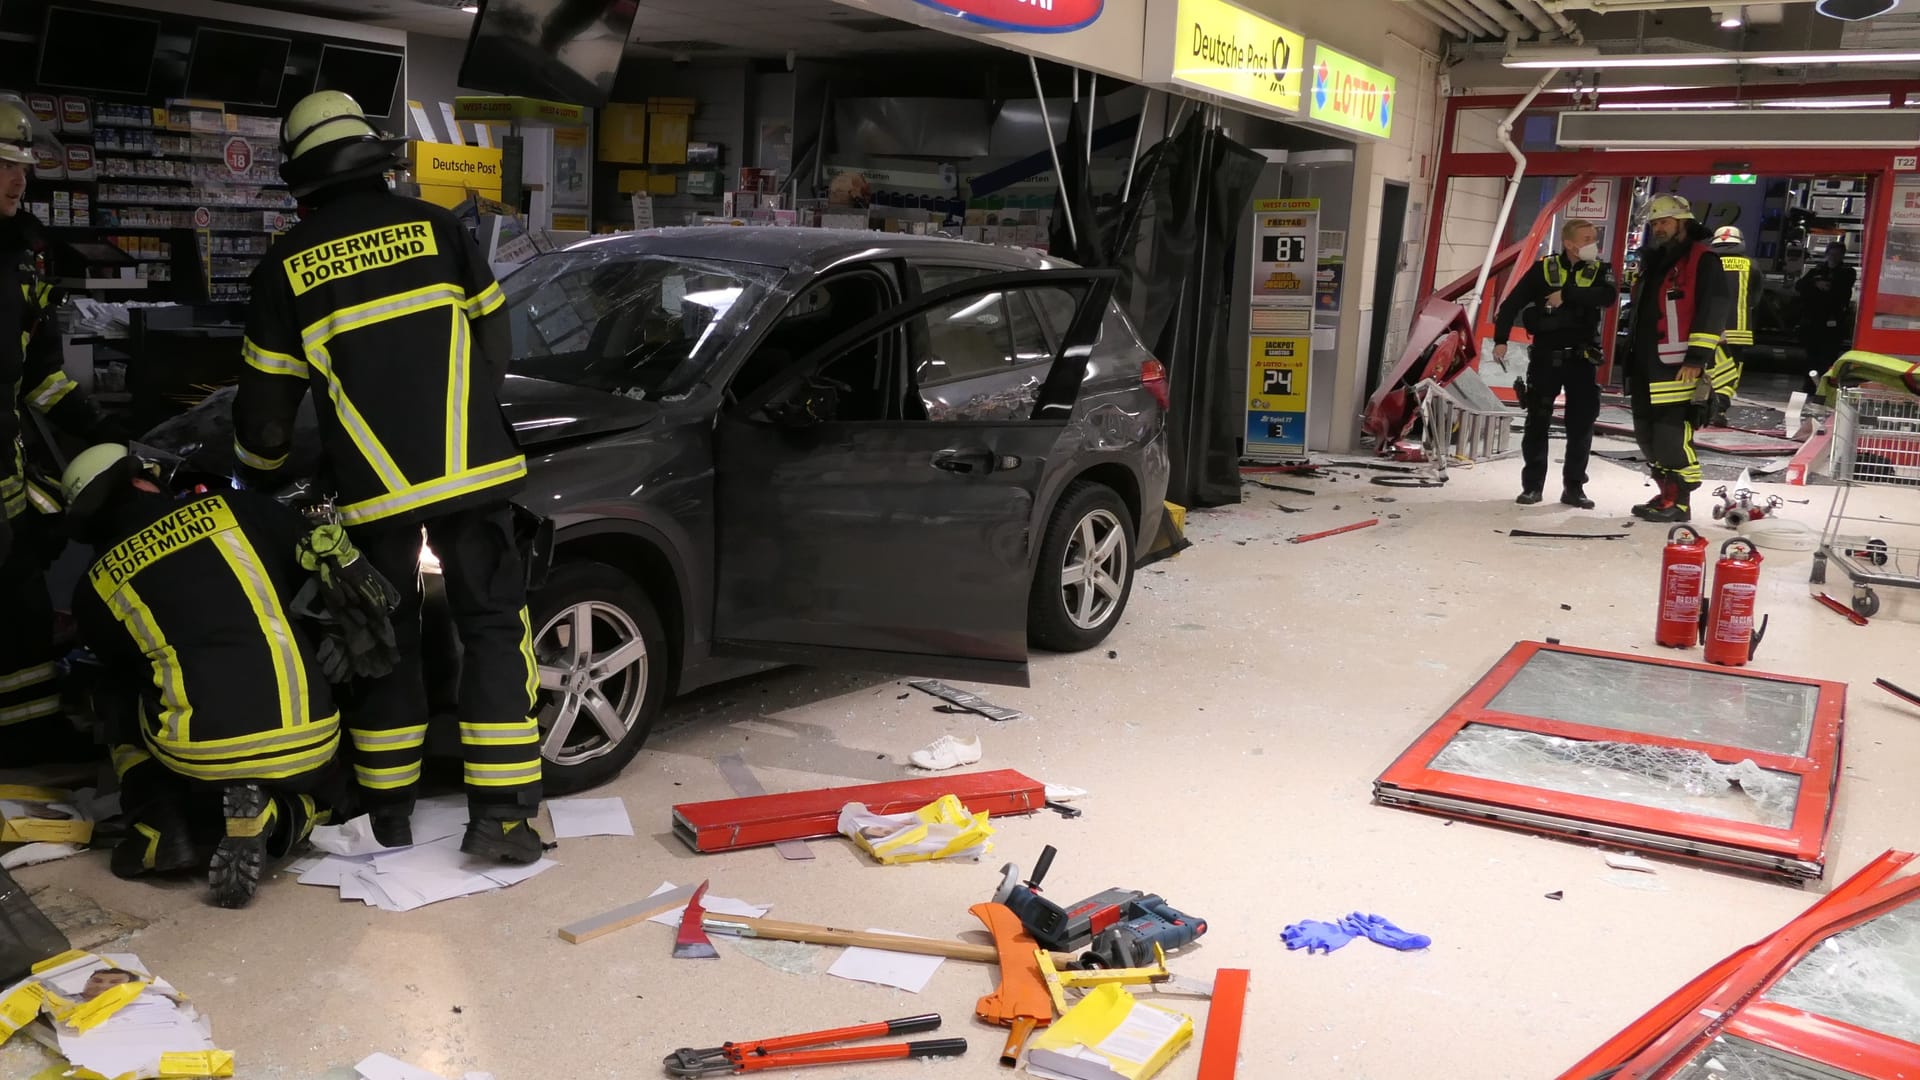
<point x="1735" y="178"/>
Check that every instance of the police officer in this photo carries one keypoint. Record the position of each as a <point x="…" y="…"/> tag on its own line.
<point x="1732" y="249"/>
<point x="33" y="726"/>
<point x="385" y="307"/>
<point x="1563" y="297"/>
<point x="1826" y="302"/>
<point x="213" y="689"/>
<point x="1680" y="310"/>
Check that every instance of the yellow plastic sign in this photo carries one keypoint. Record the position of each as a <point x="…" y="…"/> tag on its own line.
<point x="1223" y="48"/>
<point x="1350" y="95"/>
<point x="518" y="108"/>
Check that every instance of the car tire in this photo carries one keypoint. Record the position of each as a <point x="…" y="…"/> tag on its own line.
<point x="618" y="611"/>
<point x="1060" y="617"/>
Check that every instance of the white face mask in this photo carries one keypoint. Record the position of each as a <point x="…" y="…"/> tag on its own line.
<point x="1590" y="253"/>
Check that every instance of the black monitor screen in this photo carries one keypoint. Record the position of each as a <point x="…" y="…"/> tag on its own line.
<point x="91" y="50"/>
<point x="239" y="69"/>
<point x="562" y="50"/>
<point x="368" y="76"/>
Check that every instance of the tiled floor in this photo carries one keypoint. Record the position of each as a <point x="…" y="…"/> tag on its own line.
<point x="1255" y="690"/>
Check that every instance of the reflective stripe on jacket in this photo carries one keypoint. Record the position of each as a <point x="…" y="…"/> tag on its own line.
<point x="1555" y="272"/>
<point x="1739" y="276"/>
<point x="1676" y="313"/>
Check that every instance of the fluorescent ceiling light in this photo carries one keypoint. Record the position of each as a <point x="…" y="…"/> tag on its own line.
<point x="1669" y="105"/>
<point x="1575" y="58"/>
<point x="1730" y="22"/>
<point x="1795" y="59"/>
<point x="1656" y="60"/>
<point x="471" y="9"/>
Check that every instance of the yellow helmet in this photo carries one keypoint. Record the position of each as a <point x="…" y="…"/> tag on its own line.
<point x="90" y="465"/>
<point x="1669" y="206"/>
<point x="326" y="139"/>
<point x="16" y="132"/>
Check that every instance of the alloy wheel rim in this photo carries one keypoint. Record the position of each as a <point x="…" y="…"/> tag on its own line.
<point x="593" y="667"/>
<point x="1093" y="571"/>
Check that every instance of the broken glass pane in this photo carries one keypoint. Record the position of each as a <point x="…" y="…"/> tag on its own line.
<point x="1732" y="1058"/>
<point x="1651" y="699"/>
<point x="1868" y="976"/>
<point x="1658" y="777"/>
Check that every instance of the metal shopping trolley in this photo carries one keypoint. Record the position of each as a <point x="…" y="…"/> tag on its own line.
<point x="1876" y="441"/>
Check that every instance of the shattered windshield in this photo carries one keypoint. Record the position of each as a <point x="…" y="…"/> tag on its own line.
<point x="1729" y="1057"/>
<point x="1868" y="976"/>
<point x="640" y="325"/>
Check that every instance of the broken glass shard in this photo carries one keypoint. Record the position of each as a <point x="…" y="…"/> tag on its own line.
<point x="1868" y="976"/>
<point x="1672" y="702"/>
<point x="1660" y="777"/>
<point x="1731" y="1058"/>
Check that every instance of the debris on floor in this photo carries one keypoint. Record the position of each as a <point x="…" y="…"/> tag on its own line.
<point x="574" y="818"/>
<point x="401" y="879"/>
<point x="907" y="971"/>
<point x="947" y="752"/>
<point x="942" y="829"/>
<point x="110" y="1015"/>
<point x="386" y="1067"/>
<point x="712" y="905"/>
<point x="622" y="917"/>
<point x="1110" y="1035"/>
<point x="732" y="824"/>
<point x="1335" y="532"/>
<point x="1621" y="861"/>
<point x="973" y="703"/>
<point x="733" y="769"/>
<point x="782" y="1052"/>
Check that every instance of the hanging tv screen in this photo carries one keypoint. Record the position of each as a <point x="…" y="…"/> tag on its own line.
<point x="370" y="77"/>
<point x="561" y="50"/>
<point x="236" y="68"/>
<point x="92" y="50"/>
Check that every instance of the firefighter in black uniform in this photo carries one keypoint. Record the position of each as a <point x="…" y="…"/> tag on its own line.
<point x="1676" y="362"/>
<point x="1563" y="296"/>
<point x="1731" y="246"/>
<point x="213" y="689"/>
<point x="33" y="727"/>
<point x="384" y="306"/>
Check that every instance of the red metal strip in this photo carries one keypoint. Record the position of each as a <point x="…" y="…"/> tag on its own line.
<point x="1802" y="464"/>
<point x="1852" y="616"/>
<point x="1220" y="1050"/>
<point x="731" y="824"/>
<point x="1826" y="1040"/>
<point x="1335" y="532"/>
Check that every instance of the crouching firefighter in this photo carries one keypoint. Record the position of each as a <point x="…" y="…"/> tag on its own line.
<point x="385" y="309"/>
<point x="223" y="726"/>
<point x="1680" y="311"/>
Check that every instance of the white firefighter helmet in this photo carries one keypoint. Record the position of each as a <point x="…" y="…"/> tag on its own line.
<point x="1728" y="236"/>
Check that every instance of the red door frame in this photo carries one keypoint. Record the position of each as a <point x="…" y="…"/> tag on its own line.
<point x="1876" y="165"/>
<point x="1725" y="997"/>
<point x="1818" y="769"/>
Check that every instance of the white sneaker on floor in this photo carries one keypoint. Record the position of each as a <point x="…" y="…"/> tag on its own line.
<point x="946" y="752"/>
<point x="1061" y="793"/>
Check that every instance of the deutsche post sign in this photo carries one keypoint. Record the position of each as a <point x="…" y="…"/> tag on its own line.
<point x="463" y="168"/>
<point x="1220" y="48"/>
<point x="1349" y="95"/>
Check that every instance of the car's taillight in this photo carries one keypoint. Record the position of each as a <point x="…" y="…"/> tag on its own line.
<point x="1153" y="376"/>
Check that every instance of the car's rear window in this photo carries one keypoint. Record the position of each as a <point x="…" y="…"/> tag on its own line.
<point x="643" y="325"/>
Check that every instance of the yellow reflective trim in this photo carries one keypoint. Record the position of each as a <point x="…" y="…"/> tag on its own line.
<point x="406" y="738"/>
<point x="533" y="666"/>
<point x="519" y="733"/>
<point x="126" y="758"/>
<point x="51" y="391"/>
<point x="254" y="461"/>
<point x="487" y="302"/>
<point x="481" y="774"/>
<point x="151" y="856"/>
<point x="38" y="673"/>
<point x="356" y="426"/>
<point x="271" y="362"/>
<point x="274" y="767"/>
<point x="355" y="316"/>
<point x="255" y="825"/>
<point x="387" y="779"/>
<point x="31" y="710"/>
<point x="289" y="669"/>
<point x="458" y="360"/>
<point x="446" y="487"/>
<point x="273" y="739"/>
<point x="88" y="1015"/>
<point x="42" y="501"/>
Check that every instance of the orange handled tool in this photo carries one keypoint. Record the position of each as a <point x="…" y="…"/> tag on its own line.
<point x="782" y="1052"/>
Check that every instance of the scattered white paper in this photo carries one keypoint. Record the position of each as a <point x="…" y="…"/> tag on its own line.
<point x="385" y="1067"/>
<point x="1630" y="862"/>
<point x="433" y="819"/>
<point x="589" y="817"/>
<point x="31" y="854"/>
<point x="718" y="905"/>
<point x="908" y="971"/>
<point x="401" y="879"/>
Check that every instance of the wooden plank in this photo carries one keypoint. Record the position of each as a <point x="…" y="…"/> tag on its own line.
<point x="731" y="824"/>
<point x="622" y="917"/>
<point x="1220" y="1050"/>
<point x="772" y="930"/>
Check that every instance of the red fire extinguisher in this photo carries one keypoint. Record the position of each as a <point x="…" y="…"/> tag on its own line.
<point x="1732" y="639"/>
<point x="1683" y="572"/>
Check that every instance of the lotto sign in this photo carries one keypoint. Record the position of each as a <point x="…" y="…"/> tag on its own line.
<point x="1277" y="396"/>
<point x="239" y="156"/>
<point x="1350" y="95"/>
<point x="1023" y="16"/>
<point x="1286" y="232"/>
<point x="1592" y="203"/>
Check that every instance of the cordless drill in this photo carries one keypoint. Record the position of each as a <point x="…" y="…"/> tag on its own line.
<point x="1118" y="927"/>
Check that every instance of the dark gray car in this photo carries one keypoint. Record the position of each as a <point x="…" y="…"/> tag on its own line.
<point x="805" y="446"/>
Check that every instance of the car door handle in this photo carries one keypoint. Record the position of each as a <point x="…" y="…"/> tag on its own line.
<point x="965" y="462"/>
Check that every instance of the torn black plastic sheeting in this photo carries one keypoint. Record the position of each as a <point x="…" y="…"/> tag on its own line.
<point x="1528" y="534"/>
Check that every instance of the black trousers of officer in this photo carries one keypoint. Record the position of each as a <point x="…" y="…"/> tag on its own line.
<point x="1665" y="435"/>
<point x="1549" y="374"/>
<point x="34" y="728"/>
<point x="159" y="802"/>
<point x="485" y="581"/>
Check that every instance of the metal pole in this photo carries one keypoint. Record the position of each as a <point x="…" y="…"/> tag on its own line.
<point x="1093" y="101"/>
<point x="1513" y="188"/>
<point x="1139" y="129"/>
<point x="1053" y="149"/>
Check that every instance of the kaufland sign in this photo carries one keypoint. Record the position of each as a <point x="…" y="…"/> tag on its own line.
<point x="1023" y="16"/>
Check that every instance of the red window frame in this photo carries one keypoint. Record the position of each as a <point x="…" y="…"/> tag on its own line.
<point x="1726" y="998"/>
<point x="1797" y="852"/>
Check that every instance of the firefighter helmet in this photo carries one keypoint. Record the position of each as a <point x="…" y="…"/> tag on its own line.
<point x="16" y="132"/>
<point x="1669" y="206"/>
<point x="1728" y="236"/>
<point x="326" y="139"/>
<point x="91" y="476"/>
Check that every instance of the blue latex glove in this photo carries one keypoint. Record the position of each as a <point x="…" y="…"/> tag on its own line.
<point x="1315" y="936"/>
<point x="1381" y="932"/>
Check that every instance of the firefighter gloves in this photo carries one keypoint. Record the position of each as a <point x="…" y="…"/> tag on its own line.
<point x="358" y="600"/>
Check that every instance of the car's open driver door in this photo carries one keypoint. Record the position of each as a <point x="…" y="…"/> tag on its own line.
<point x="899" y="545"/>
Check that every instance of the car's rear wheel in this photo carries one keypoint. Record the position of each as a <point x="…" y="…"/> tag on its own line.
<point x="602" y="652"/>
<point x="1085" y="572"/>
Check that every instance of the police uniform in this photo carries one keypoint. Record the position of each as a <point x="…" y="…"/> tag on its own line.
<point x="33" y="726"/>
<point x="1564" y="356"/>
<point x="372" y="301"/>
<point x="1824" y="325"/>
<point x="188" y="606"/>
<point x="1680" y="311"/>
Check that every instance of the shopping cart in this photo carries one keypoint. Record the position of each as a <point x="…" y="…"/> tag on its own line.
<point x="1876" y="441"/>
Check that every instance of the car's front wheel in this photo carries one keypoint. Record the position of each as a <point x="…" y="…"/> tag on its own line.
<point x="1085" y="572"/>
<point x="602" y="653"/>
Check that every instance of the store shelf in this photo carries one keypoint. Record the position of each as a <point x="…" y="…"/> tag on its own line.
<point x="103" y="284"/>
<point x="140" y="155"/>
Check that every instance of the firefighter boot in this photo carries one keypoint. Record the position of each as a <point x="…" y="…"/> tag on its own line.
<point x="1576" y="497"/>
<point x="497" y="833"/>
<point x="158" y="843"/>
<point x="1660" y="504"/>
<point x="393" y="825"/>
<point x="1676" y="496"/>
<point x="234" y="873"/>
